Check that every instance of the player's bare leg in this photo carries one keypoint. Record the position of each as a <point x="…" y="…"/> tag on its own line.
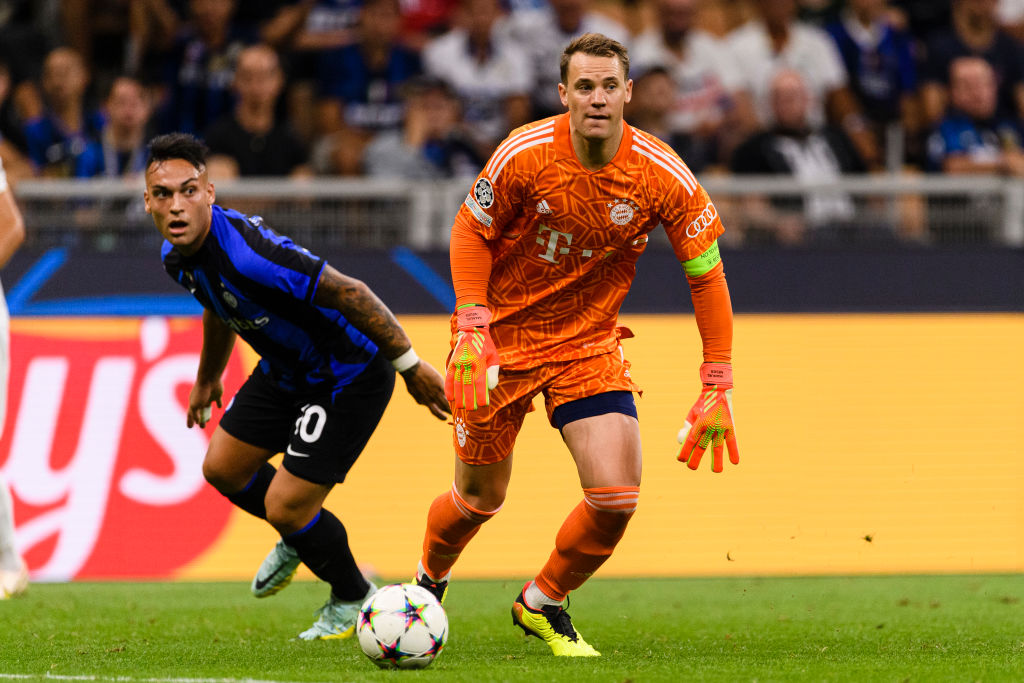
<point x="309" y="534"/>
<point x="606" y="449"/>
<point x="241" y="472"/>
<point x="294" y="508"/>
<point x="230" y="465"/>
<point x="455" y="516"/>
<point x="13" y="570"/>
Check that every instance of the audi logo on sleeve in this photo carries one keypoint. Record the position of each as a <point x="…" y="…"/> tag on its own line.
<point x="703" y="221"/>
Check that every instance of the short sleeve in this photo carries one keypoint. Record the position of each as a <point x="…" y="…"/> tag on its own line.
<point x="268" y="258"/>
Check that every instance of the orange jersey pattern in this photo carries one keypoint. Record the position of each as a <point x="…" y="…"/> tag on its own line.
<point x="564" y="241"/>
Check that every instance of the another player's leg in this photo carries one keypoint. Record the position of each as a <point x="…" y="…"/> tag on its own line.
<point x="227" y="463"/>
<point x="606" y="448"/>
<point x="320" y="541"/>
<point x="254" y="428"/>
<point x="13" y="570"/>
<point x="327" y="437"/>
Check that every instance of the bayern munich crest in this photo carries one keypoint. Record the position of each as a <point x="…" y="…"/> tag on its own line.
<point x="621" y="211"/>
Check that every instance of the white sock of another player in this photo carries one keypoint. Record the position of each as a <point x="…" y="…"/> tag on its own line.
<point x="10" y="560"/>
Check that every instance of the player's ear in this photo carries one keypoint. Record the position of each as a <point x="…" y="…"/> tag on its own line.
<point x="629" y="89"/>
<point x="211" y="195"/>
<point x="563" y="94"/>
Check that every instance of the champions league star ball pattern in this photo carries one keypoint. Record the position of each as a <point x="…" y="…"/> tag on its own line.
<point x="402" y="626"/>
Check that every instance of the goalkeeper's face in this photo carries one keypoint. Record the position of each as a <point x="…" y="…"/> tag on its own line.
<point x="596" y="92"/>
<point x="179" y="196"/>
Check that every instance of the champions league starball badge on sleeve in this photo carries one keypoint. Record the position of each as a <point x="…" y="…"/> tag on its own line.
<point x="483" y="192"/>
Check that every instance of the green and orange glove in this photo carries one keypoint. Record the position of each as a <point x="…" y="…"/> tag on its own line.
<point x="709" y="421"/>
<point x="473" y="364"/>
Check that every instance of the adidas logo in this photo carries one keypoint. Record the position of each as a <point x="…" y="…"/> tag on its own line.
<point x="542" y="206"/>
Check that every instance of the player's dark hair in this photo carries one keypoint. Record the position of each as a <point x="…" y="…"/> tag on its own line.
<point x="177" y="146"/>
<point x="595" y="45"/>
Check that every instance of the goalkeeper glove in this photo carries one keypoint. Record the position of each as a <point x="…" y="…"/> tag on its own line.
<point x="710" y="420"/>
<point x="473" y="364"/>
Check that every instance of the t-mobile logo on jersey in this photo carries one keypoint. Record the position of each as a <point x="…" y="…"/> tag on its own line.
<point x="552" y="243"/>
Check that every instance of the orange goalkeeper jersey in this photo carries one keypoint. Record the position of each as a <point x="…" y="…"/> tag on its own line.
<point x="564" y="240"/>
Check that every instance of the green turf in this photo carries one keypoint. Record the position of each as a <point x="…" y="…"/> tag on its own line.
<point x="936" y="628"/>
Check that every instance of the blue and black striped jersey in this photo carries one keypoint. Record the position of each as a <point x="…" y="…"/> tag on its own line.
<point x="261" y="284"/>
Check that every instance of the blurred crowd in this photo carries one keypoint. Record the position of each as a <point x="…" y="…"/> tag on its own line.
<point x="427" y="88"/>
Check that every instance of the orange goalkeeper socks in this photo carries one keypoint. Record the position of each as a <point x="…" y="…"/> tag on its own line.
<point x="451" y="524"/>
<point x="587" y="538"/>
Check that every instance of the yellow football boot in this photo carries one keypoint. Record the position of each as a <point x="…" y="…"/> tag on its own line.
<point x="551" y="624"/>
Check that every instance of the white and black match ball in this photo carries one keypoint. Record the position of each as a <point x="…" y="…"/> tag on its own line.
<point x="402" y="626"/>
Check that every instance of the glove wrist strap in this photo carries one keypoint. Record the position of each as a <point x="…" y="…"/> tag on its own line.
<point x="716" y="373"/>
<point x="473" y="315"/>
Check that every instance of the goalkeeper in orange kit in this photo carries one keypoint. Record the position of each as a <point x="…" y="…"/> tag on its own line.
<point x="543" y="252"/>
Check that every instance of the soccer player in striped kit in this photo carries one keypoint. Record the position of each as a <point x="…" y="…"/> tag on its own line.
<point x="329" y="350"/>
<point x="543" y="252"/>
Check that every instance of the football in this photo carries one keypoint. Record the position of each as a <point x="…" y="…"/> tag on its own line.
<point x="402" y="626"/>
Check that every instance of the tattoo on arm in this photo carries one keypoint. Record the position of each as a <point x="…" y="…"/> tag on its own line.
<point x="363" y="309"/>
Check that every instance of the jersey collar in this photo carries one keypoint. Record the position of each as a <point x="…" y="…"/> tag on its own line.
<point x="564" y="150"/>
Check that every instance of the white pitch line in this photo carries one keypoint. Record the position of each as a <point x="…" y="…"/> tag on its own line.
<point x="131" y="679"/>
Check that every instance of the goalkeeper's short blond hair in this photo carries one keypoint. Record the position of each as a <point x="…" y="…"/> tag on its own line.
<point x="595" y="45"/>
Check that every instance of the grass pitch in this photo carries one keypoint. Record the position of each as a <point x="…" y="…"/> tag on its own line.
<point x="934" y="628"/>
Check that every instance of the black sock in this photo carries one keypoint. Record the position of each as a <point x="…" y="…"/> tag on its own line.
<point x="251" y="498"/>
<point x="323" y="547"/>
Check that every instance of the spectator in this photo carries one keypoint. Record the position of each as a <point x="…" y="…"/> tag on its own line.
<point x="433" y="142"/>
<point x="807" y="151"/>
<point x="200" y="67"/>
<point x="650" y="108"/>
<point x="59" y="138"/>
<point x="1011" y="17"/>
<point x="99" y="31"/>
<point x="314" y="25"/>
<point x="251" y="141"/>
<point x="776" y="40"/>
<point x="359" y="87"/>
<point x="490" y="74"/>
<point x="974" y="32"/>
<point x="920" y="18"/>
<point x="819" y="12"/>
<point x="710" y="97"/>
<point x="122" y="147"/>
<point x="424" y="20"/>
<point x="14" y="161"/>
<point x="880" y="66"/>
<point x="301" y="31"/>
<point x="152" y="28"/>
<point x="544" y="32"/>
<point x="23" y="49"/>
<point x="973" y="137"/>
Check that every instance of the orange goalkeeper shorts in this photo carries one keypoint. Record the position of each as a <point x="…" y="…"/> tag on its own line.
<point x="486" y="435"/>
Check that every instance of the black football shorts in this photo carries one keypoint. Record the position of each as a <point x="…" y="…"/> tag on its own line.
<point x="320" y="435"/>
